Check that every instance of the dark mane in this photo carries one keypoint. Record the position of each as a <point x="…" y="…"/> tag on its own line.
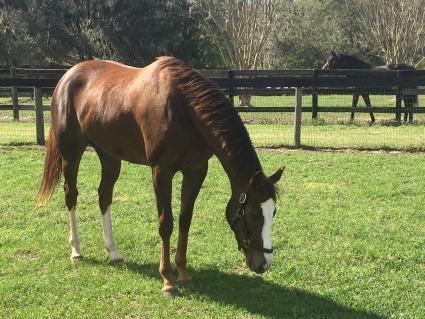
<point x="216" y="113"/>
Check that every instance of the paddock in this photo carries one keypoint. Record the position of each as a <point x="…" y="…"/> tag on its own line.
<point x="348" y="235"/>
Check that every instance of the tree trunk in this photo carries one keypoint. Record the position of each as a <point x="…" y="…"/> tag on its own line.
<point x="245" y="100"/>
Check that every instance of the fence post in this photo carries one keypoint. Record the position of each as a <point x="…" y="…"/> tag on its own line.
<point x="314" y="98"/>
<point x="15" y="101"/>
<point x="39" y="116"/>
<point x="298" y="114"/>
<point x="231" y="91"/>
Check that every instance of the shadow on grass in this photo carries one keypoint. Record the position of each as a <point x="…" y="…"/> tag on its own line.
<point x="254" y="294"/>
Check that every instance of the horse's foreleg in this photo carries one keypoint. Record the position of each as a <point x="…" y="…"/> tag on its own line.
<point x="110" y="172"/>
<point x="162" y="183"/>
<point x="354" y="105"/>
<point x="74" y="240"/>
<point x="369" y="106"/>
<point x="192" y="182"/>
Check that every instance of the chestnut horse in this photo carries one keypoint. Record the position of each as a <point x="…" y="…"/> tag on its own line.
<point x="170" y="117"/>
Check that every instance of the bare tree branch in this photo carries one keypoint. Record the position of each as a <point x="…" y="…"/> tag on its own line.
<point x="395" y="28"/>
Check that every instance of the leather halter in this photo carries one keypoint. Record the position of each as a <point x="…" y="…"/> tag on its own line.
<point x="240" y="216"/>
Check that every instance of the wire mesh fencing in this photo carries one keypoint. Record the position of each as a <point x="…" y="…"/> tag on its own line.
<point x="341" y="118"/>
<point x="332" y="117"/>
<point x="18" y="116"/>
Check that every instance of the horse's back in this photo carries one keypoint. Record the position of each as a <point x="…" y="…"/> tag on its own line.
<point x="135" y="114"/>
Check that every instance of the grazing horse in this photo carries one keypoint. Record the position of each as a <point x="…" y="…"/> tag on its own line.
<point x="345" y="61"/>
<point x="170" y="117"/>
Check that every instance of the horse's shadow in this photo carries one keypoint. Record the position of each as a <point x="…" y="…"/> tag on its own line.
<point x="254" y="294"/>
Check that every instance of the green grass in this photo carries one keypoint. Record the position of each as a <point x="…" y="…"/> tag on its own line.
<point x="349" y="237"/>
<point x="403" y="137"/>
<point x="265" y="132"/>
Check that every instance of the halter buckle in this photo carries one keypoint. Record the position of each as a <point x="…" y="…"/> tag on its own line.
<point x="242" y="198"/>
<point x="246" y="243"/>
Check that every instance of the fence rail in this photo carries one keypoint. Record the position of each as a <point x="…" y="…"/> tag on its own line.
<point x="35" y="83"/>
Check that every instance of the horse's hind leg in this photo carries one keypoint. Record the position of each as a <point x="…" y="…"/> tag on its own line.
<point x="354" y="105"/>
<point x="162" y="183"/>
<point x="110" y="172"/>
<point x="71" y="157"/>
<point x="369" y="106"/>
<point x="408" y="105"/>
<point x="192" y="182"/>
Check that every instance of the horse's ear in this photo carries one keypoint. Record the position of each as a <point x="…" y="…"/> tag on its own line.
<point x="334" y="54"/>
<point x="276" y="176"/>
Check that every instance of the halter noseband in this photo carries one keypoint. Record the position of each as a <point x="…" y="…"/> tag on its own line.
<point x="239" y="216"/>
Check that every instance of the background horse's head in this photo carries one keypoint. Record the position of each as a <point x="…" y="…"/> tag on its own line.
<point x="345" y="61"/>
<point x="250" y="216"/>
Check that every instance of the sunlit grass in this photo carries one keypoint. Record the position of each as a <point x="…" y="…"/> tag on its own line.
<point x="349" y="236"/>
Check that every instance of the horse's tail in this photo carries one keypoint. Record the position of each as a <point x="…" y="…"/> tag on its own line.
<point x="52" y="169"/>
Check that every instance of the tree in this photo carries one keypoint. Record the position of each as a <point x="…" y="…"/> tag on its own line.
<point x="395" y="29"/>
<point x="310" y="30"/>
<point x="243" y="30"/>
<point x="17" y="46"/>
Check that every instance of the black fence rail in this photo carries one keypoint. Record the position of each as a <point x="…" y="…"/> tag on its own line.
<point x="36" y="83"/>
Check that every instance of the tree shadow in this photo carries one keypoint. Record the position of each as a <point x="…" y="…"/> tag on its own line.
<point x="255" y="295"/>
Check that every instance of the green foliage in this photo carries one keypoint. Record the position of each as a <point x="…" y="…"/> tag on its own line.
<point x="63" y="32"/>
<point x="50" y="32"/>
<point x="312" y="30"/>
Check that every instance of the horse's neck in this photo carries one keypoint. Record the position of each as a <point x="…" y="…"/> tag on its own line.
<point x="239" y="171"/>
<point x="363" y="65"/>
<point x="238" y="157"/>
<point x="352" y="62"/>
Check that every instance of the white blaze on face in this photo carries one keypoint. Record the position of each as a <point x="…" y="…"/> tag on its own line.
<point x="268" y="208"/>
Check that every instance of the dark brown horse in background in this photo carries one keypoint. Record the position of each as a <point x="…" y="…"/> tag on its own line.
<point x="170" y="117"/>
<point x="345" y="61"/>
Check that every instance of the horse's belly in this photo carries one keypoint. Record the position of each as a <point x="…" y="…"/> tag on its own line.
<point x="121" y="140"/>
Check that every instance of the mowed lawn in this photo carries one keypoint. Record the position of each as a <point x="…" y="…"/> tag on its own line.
<point x="349" y="239"/>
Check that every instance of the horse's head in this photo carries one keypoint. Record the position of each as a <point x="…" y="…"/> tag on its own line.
<point x="332" y="62"/>
<point x="250" y="216"/>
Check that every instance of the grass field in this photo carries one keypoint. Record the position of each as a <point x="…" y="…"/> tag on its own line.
<point x="349" y="236"/>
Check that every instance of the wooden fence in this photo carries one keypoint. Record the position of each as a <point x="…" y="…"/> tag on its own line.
<point x="255" y="82"/>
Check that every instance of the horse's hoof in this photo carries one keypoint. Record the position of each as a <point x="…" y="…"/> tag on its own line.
<point x="76" y="258"/>
<point x="172" y="293"/>
<point x="117" y="261"/>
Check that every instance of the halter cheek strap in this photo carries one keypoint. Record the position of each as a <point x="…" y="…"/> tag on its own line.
<point x="240" y="216"/>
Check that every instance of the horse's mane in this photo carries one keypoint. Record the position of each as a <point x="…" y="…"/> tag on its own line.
<point x="215" y="111"/>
